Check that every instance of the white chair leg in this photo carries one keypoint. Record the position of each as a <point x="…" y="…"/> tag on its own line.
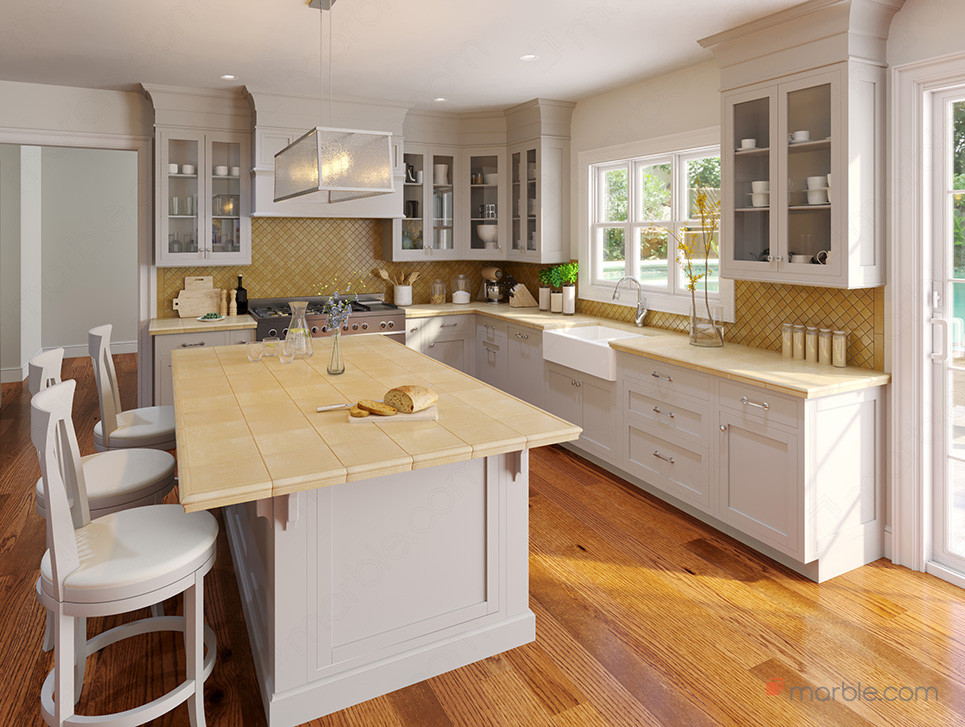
<point x="63" y="667"/>
<point x="80" y="655"/>
<point x="48" y="631"/>
<point x="157" y="610"/>
<point x="194" y="648"/>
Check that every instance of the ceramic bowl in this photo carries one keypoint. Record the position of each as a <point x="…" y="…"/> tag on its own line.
<point x="817" y="196"/>
<point x="487" y="233"/>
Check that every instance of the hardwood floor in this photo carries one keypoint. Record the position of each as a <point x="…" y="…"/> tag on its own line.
<point x="644" y="617"/>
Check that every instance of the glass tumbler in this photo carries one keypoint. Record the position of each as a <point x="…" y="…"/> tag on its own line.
<point x="255" y="349"/>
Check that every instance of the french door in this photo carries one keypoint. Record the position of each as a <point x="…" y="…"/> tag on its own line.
<point x="948" y="327"/>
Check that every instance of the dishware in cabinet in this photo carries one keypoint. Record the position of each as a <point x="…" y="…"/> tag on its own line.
<point x="484" y="170"/>
<point x="537" y="221"/>
<point x="202" y="202"/>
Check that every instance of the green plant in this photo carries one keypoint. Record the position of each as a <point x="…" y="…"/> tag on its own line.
<point x="545" y="278"/>
<point x="568" y="273"/>
<point x="556" y="277"/>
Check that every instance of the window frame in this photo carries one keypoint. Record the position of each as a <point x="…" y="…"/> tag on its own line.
<point x="677" y="149"/>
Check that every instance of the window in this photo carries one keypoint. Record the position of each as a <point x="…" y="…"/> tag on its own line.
<point x="638" y="206"/>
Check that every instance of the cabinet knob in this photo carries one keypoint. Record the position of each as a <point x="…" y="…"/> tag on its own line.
<point x="723" y="427"/>
<point x="432" y="345"/>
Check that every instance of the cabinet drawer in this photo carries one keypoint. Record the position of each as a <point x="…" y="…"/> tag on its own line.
<point x="759" y="405"/>
<point x="662" y="379"/>
<point x="677" y="416"/>
<point x="489" y="331"/>
<point x="163" y="345"/>
<point x="438" y="325"/>
<point x="677" y="470"/>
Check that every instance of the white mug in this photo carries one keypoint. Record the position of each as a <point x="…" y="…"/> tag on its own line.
<point x="440" y="174"/>
<point x="187" y="169"/>
<point x="235" y="171"/>
<point x="761" y="187"/>
<point x="823" y="256"/>
<point x="748" y="143"/>
<point x="172" y="168"/>
<point x="220" y="171"/>
<point x="797" y="136"/>
<point x="800" y="258"/>
<point x="819" y="182"/>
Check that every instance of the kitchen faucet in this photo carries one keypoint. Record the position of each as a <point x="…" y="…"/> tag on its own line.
<point x="641" y="301"/>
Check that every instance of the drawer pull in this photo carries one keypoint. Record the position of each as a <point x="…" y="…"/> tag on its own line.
<point x="522" y="336"/>
<point x="449" y="325"/>
<point x="656" y="453"/>
<point x="668" y="413"/>
<point x="413" y="330"/>
<point x="762" y="405"/>
<point x="574" y="382"/>
<point x="192" y="345"/>
<point x="432" y="345"/>
<point x="723" y="427"/>
<point x="658" y="376"/>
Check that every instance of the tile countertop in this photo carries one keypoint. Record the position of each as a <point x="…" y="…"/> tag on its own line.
<point x="247" y="431"/>
<point x="759" y="367"/>
<point x="162" y="326"/>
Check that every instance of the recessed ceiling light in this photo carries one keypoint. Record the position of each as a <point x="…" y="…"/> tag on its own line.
<point x="440" y="99"/>
<point x="528" y="57"/>
<point x="228" y="77"/>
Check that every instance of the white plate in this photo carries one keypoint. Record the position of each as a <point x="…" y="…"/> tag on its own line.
<point x="210" y="320"/>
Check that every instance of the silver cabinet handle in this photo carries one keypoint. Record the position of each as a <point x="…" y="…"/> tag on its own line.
<point x="668" y="413"/>
<point x="772" y="259"/>
<point x="656" y="453"/>
<point x="192" y="345"/>
<point x="658" y="376"/>
<point x="413" y="330"/>
<point x="449" y="325"/>
<point x="762" y="405"/>
<point x="574" y="382"/>
<point x="521" y="336"/>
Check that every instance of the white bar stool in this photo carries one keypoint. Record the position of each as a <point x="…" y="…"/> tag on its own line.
<point x="121" y="562"/>
<point x="149" y="426"/>
<point x="118" y="479"/>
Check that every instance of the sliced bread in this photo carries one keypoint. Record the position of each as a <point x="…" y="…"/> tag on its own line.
<point x="377" y="407"/>
<point x="411" y="398"/>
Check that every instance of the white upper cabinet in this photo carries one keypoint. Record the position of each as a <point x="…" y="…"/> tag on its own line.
<point x="801" y="145"/>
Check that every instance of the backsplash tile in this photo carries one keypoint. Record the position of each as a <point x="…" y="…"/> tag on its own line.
<point x="300" y="256"/>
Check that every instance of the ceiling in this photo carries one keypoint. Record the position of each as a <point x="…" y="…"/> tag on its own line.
<point x="407" y="51"/>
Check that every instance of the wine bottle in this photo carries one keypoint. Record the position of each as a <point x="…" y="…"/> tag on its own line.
<point x="242" y="298"/>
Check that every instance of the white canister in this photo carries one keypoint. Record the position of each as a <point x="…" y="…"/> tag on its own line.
<point x="797" y="336"/>
<point x="824" y="346"/>
<point x="402" y="295"/>
<point x="544" y="298"/>
<point x="440" y="174"/>
<point x="556" y="302"/>
<point x="569" y="300"/>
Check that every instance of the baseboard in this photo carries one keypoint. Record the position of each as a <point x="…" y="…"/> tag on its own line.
<point x="80" y="350"/>
<point x="13" y="374"/>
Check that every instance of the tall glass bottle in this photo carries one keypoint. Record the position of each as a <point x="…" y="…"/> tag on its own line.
<point x="241" y="298"/>
<point x="299" y="336"/>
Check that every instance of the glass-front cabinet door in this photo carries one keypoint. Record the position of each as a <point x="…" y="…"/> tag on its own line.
<point x="488" y="231"/>
<point x="413" y="207"/>
<point x="442" y="242"/>
<point x="524" y="189"/>
<point x="228" y="227"/>
<point x="180" y="174"/>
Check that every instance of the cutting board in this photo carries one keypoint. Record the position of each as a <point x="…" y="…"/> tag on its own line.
<point x="426" y="415"/>
<point x="200" y="282"/>
<point x="194" y="303"/>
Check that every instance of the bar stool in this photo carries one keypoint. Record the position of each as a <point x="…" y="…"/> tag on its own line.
<point x="118" y="479"/>
<point x="150" y="426"/>
<point x="118" y="563"/>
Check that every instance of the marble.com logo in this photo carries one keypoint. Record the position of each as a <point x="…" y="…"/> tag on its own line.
<point x="851" y="693"/>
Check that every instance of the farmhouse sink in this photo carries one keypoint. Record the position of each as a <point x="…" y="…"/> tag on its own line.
<point x="586" y="349"/>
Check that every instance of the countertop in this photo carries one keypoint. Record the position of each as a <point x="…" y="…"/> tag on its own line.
<point x="766" y="369"/>
<point x="247" y="431"/>
<point x="162" y="326"/>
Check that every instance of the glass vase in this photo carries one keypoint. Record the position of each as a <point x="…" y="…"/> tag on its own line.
<point x="336" y="365"/>
<point x="705" y="328"/>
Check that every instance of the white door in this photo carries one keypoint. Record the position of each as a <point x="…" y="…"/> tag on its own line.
<point x="948" y="359"/>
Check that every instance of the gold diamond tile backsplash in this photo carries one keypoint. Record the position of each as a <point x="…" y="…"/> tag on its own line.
<point x="301" y="256"/>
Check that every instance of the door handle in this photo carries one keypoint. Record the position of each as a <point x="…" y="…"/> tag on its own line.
<point x="762" y="405"/>
<point x="943" y="324"/>
<point x="192" y="345"/>
<point x="449" y="325"/>
<point x="658" y="376"/>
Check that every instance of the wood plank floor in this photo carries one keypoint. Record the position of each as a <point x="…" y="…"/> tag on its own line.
<point x="644" y="617"/>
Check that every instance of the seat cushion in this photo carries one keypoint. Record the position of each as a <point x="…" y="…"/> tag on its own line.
<point x="135" y="551"/>
<point x="150" y="426"/>
<point x="122" y="476"/>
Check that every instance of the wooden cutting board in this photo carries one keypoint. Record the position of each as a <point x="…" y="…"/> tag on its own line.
<point x="194" y="303"/>
<point x="200" y="282"/>
<point x="426" y="415"/>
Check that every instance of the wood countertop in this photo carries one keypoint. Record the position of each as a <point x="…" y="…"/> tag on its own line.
<point x="767" y="369"/>
<point x="163" y="326"/>
<point x="247" y="431"/>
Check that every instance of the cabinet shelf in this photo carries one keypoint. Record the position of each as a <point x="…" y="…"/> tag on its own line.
<point x="224" y="176"/>
<point x="183" y="176"/>
<point x="225" y="217"/>
<point x="182" y="217"/>
<point x="412" y="219"/>
<point x="484" y="219"/>
<point x="751" y="152"/>
<point x="412" y="184"/>
<point x="805" y="145"/>
<point x="482" y="186"/>
<point x="803" y="207"/>
<point x="753" y="209"/>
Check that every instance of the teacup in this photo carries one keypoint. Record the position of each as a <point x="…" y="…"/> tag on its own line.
<point x="822" y="257"/>
<point x="761" y="187"/>
<point x="819" y="182"/>
<point x="748" y="143"/>
<point x="796" y="137"/>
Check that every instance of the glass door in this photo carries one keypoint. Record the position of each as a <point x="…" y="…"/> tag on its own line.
<point x="515" y="190"/>
<point x="752" y="201"/>
<point x="181" y="173"/>
<point x="413" y="204"/>
<point x="484" y="212"/>
<point x="224" y="196"/>
<point x="948" y="361"/>
<point x="443" y="228"/>
<point x="532" y="201"/>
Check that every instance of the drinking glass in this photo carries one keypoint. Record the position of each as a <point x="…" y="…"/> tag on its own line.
<point x="271" y="345"/>
<point x="287" y="351"/>
<point x="255" y="351"/>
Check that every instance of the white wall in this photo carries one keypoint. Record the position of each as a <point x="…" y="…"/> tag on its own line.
<point x="926" y="29"/>
<point x="684" y="100"/>
<point x="31" y="243"/>
<point x="9" y="263"/>
<point x="89" y="246"/>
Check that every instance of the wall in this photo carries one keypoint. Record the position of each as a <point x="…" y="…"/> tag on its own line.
<point x="31" y="243"/>
<point x="89" y="246"/>
<point x="926" y="29"/>
<point x="10" y="262"/>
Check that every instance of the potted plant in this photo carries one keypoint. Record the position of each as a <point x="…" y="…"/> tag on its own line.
<point x="568" y="274"/>
<point x="545" y="286"/>
<point x="556" y="296"/>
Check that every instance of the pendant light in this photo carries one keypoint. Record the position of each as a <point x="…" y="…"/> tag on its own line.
<point x="345" y="163"/>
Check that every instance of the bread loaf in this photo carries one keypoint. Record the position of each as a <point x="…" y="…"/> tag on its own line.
<point x="409" y="399"/>
<point x="377" y="407"/>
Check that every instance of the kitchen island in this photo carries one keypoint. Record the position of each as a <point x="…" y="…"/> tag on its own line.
<point x="369" y="555"/>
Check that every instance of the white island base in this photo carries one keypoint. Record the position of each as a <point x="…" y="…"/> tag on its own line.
<point x="361" y="588"/>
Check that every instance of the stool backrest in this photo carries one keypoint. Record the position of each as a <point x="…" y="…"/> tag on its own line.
<point x="108" y="393"/>
<point x="52" y="433"/>
<point x="45" y="370"/>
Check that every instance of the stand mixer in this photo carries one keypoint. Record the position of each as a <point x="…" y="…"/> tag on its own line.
<point x="492" y="287"/>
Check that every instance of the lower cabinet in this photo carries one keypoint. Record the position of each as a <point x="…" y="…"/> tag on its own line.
<point x="491" y="353"/>
<point x="447" y="339"/>
<point x="524" y="363"/>
<point x="164" y="344"/>
<point x="586" y="401"/>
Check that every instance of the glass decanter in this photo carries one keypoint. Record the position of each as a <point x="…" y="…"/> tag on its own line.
<point x="299" y="336"/>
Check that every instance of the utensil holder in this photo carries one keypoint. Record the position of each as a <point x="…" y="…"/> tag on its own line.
<point x="402" y="295"/>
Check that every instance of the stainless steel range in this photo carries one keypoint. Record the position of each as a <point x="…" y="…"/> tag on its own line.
<point x="370" y="316"/>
